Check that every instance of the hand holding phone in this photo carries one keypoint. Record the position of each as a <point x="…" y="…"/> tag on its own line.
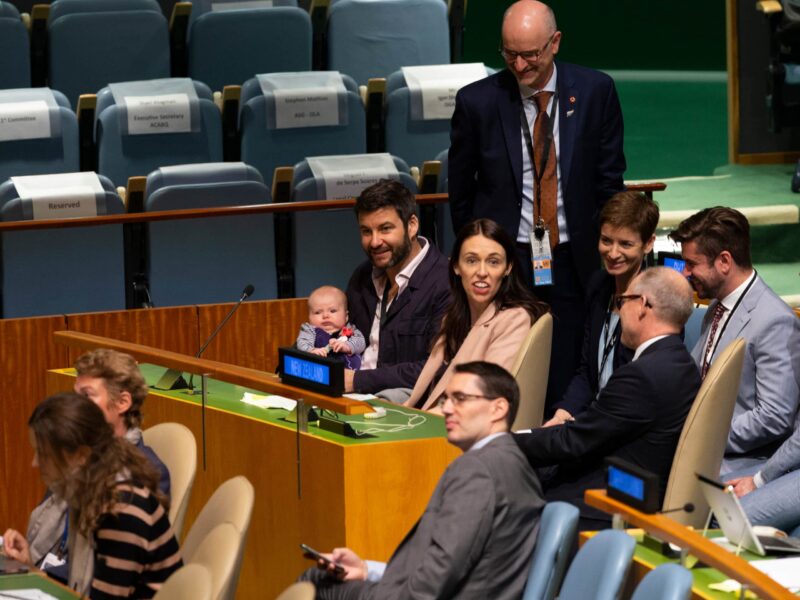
<point x="332" y="567"/>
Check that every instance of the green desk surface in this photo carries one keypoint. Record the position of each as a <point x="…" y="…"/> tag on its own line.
<point x="9" y="583"/>
<point x="703" y="576"/>
<point x="399" y="423"/>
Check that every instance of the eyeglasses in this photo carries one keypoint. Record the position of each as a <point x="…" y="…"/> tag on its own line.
<point x="458" y="398"/>
<point x="620" y="300"/>
<point x="530" y="56"/>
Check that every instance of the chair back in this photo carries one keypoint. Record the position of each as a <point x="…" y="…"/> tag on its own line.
<point x="175" y="445"/>
<point x="190" y="582"/>
<point x="88" y="50"/>
<point x="209" y="260"/>
<point x="15" y="66"/>
<point x="666" y="582"/>
<point x="693" y="327"/>
<point x="531" y="368"/>
<point x="558" y="530"/>
<point x="302" y="590"/>
<point x="600" y="567"/>
<point x="363" y="38"/>
<point x="415" y="141"/>
<point x="122" y="156"/>
<point x="229" y="47"/>
<point x="704" y="435"/>
<point x="232" y="502"/>
<point x="217" y="552"/>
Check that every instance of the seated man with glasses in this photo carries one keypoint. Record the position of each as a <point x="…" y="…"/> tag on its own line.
<point x="537" y="147"/>
<point x="477" y="534"/>
<point x="639" y="414"/>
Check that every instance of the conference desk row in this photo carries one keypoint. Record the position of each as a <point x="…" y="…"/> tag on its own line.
<point x="318" y="488"/>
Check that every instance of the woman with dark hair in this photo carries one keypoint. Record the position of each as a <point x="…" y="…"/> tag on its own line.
<point x="627" y="232"/>
<point x="120" y="540"/>
<point x="490" y="313"/>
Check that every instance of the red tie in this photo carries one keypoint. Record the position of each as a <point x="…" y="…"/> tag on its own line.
<point x="719" y="309"/>
<point x="548" y="179"/>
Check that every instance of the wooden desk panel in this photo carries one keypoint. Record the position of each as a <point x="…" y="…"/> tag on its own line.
<point x="363" y="496"/>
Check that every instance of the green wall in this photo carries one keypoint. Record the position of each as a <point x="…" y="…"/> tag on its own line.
<point x="617" y="34"/>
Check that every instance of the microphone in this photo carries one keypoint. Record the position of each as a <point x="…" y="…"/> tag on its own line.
<point x="688" y="507"/>
<point x="246" y="293"/>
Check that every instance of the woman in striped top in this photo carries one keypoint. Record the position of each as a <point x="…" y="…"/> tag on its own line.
<point x="120" y="540"/>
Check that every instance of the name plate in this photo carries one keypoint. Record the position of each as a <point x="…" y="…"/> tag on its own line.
<point x="24" y="120"/>
<point x="306" y="99"/>
<point x="346" y="176"/>
<point x="60" y="196"/>
<point x="168" y="113"/>
<point x="240" y="4"/>
<point x="433" y="88"/>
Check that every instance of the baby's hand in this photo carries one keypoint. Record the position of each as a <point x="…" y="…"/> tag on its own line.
<point x="320" y="351"/>
<point x="341" y="345"/>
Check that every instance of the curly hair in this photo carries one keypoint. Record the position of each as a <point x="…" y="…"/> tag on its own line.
<point x="68" y="425"/>
<point x="120" y="373"/>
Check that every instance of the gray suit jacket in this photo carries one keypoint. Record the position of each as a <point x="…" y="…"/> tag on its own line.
<point x="475" y="539"/>
<point x="769" y="390"/>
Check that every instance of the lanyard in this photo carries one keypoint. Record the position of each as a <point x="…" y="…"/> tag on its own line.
<point x="538" y="172"/>
<point x="610" y="342"/>
<point x="707" y="357"/>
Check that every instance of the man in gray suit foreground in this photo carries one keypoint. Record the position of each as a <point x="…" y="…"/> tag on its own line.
<point x="716" y="247"/>
<point x="477" y="534"/>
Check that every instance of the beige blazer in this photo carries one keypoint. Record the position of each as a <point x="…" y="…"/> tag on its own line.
<point x="496" y="337"/>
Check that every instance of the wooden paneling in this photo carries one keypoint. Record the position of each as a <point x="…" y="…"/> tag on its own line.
<point x="253" y="335"/>
<point x="26" y="352"/>
<point x="173" y="328"/>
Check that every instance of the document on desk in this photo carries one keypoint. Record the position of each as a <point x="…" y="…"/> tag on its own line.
<point x="269" y="401"/>
<point x="27" y="594"/>
<point x="785" y="571"/>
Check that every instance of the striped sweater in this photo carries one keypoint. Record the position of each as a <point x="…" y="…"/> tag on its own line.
<point x="135" y="547"/>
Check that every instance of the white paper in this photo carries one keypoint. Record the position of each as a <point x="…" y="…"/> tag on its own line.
<point x="167" y="113"/>
<point x="314" y="107"/>
<point x="785" y="571"/>
<point x="346" y="176"/>
<point x="439" y="84"/>
<point x="24" y="120"/>
<point x="269" y="401"/>
<point x="61" y="195"/>
<point x="360" y="397"/>
<point x="29" y="594"/>
<point x="219" y="6"/>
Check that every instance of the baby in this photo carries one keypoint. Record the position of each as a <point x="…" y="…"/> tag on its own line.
<point x="327" y="329"/>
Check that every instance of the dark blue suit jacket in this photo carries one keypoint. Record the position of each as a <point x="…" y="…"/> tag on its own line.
<point x="638" y="417"/>
<point x="485" y="159"/>
<point x="412" y="322"/>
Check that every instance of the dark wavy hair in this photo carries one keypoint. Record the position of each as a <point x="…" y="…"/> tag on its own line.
<point x="65" y="423"/>
<point x="513" y="292"/>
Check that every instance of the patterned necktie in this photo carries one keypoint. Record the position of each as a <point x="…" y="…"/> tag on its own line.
<point x="719" y="309"/>
<point x="548" y="183"/>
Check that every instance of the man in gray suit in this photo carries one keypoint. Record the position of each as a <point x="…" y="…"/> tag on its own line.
<point x="477" y="534"/>
<point x="716" y="247"/>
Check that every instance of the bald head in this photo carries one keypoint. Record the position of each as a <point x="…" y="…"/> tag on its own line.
<point x="668" y="291"/>
<point x="529" y="28"/>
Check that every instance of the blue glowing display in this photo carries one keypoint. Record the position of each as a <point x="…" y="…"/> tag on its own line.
<point x="305" y="369"/>
<point x="675" y="263"/>
<point x="626" y="483"/>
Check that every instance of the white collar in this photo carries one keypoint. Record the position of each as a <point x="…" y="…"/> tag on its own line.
<point x="484" y="441"/>
<point x="379" y="275"/>
<point x="645" y="345"/>
<point x="731" y="299"/>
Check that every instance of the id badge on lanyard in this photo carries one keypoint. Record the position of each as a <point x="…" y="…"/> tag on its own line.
<point x="541" y="255"/>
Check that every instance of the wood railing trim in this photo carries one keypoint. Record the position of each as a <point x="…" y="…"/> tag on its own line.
<point x="259" y="380"/>
<point x="704" y="549"/>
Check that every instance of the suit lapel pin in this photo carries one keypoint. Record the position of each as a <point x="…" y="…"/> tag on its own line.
<point x="572" y="105"/>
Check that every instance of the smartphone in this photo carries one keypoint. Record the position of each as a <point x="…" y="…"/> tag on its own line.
<point x="312" y="554"/>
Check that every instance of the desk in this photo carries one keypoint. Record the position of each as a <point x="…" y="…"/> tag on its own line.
<point x="38" y="581"/>
<point x="362" y="493"/>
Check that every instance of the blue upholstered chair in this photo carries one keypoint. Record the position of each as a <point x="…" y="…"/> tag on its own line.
<point x="56" y="154"/>
<point x="558" y="529"/>
<point x="121" y="156"/>
<point x="666" y="582"/>
<point x="230" y="47"/>
<point x="599" y="569"/>
<point x="211" y="259"/>
<point x="370" y="38"/>
<point x="92" y="44"/>
<point x="57" y="271"/>
<point x="15" y="60"/>
<point x="691" y="331"/>
<point x="327" y="247"/>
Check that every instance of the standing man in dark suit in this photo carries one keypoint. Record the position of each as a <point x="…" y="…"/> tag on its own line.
<point x="396" y="298"/>
<point x="639" y="415"/>
<point x="538" y="148"/>
<point x="476" y="537"/>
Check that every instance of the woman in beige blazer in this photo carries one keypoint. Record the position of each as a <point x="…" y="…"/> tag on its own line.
<point x="489" y="316"/>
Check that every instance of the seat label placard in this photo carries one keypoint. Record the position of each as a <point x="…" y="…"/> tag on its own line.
<point x="167" y="113"/>
<point x="433" y="88"/>
<point x="61" y="195"/>
<point x="346" y="176"/>
<point x="305" y="99"/>
<point x="24" y="120"/>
